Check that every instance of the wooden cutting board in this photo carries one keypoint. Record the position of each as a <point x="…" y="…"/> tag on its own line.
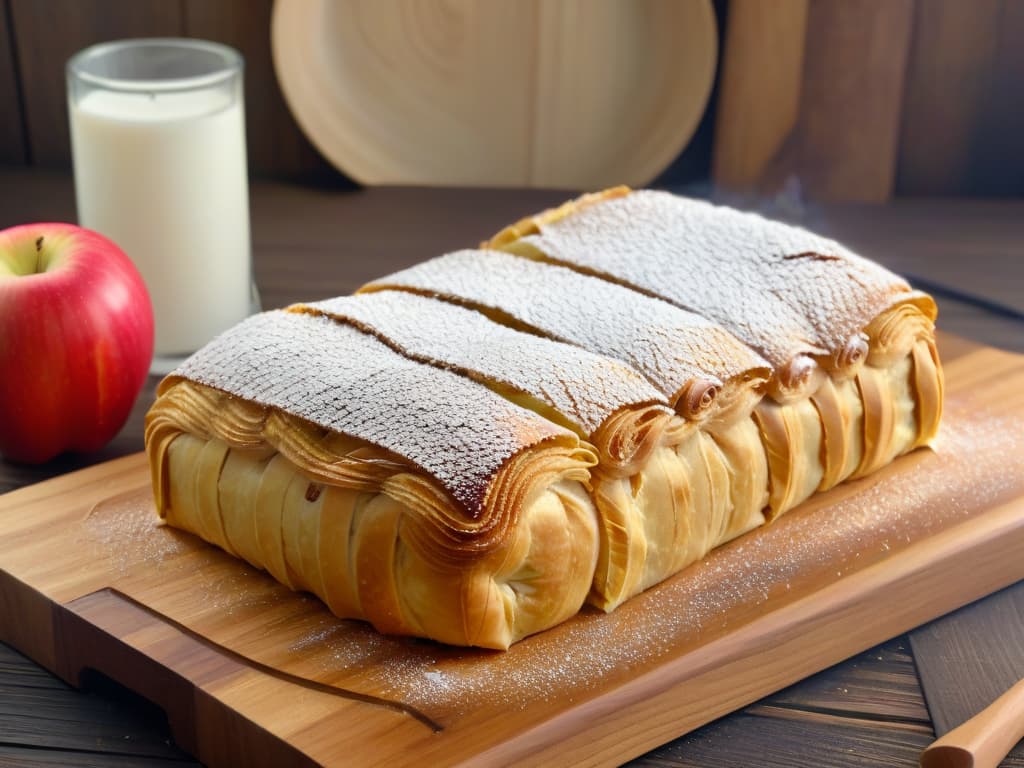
<point x="250" y="673"/>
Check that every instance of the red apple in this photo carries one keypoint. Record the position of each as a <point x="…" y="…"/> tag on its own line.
<point x="76" y="340"/>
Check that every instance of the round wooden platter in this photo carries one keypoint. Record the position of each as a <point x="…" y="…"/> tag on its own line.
<point x="570" y="94"/>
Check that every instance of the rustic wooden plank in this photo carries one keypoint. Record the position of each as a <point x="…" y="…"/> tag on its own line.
<point x="786" y="730"/>
<point x="847" y="104"/>
<point x="848" y="130"/>
<point x="759" y="90"/>
<point x="276" y="145"/>
<point x="997" y="166"/>
<point x="949" y="77"/>
<point x="770" y="742"/>
<point x="76" y="722"/>
<point x="13" y="150"/>
<point x="970" y="657"/>
<point x="836" y="719"/>
<point x="880" y="684"/>
<point x="21" y="757"/>
<point x="41" y="712"/>
<point x="18" y="670"/>
<point x="882" y="661"/>
<point x="49" y="32"/>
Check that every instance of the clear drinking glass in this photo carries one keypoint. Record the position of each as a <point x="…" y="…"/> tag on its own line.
<point x="158" y="143"/>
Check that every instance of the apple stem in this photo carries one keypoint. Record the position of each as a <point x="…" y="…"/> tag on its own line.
<point x="39" y="251"/>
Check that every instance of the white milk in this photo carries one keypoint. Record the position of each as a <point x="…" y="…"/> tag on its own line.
<point x="164" y="176"/>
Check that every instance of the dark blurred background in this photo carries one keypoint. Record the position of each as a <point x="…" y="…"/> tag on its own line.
<point x="860" y="100"/>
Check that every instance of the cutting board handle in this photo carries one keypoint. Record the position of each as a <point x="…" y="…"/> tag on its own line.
<point x="161" y="661"/>
<point x="82" y="646"/>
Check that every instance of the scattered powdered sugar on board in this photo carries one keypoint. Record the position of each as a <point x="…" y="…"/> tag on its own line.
<point x="126" y="531"/>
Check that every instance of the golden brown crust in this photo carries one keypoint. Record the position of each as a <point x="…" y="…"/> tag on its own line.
<point x="330" y="458"/>
<point x="330" y="515"/>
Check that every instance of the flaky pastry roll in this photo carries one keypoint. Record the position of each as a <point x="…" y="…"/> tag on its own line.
<point x="470" y="449"/>
<point x="395" y="491"/>
<point x="648" y="456"/>
<point x="819" y="313"/>
<point x="801" y="300"/>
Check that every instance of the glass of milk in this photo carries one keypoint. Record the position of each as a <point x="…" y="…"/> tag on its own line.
<point x="158" y="142"/>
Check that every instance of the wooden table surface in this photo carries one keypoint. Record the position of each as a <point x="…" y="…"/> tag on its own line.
<point x="314" y="243"/>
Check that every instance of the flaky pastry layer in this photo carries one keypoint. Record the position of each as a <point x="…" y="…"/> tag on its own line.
<point x="374" y="537"/>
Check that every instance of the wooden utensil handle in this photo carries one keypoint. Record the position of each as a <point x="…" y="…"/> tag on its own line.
<point x="985" y="739"/>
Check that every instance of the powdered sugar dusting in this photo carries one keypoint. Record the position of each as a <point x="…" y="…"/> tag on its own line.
<point x="343" y="379"/>
<point x="666" y="344"/>
<point x="126" y="531"/>
<point x="585" y="387"/>
<point x="779" y="288"/>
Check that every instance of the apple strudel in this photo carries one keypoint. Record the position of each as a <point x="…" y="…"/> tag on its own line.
<point x="471" y="449"/>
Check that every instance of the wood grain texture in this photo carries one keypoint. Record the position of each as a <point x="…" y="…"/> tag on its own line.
<point x="889" y="662"/>
<point x="969" y="658"/>
<point x="13" y="149"/>
<point x="276" y="146"/>
<point x="15" y="669"/>
<point x="963" y="116"/>
<point x="844" y="141"/>
<point x="49" y="33"/>
<point x="750" y="740"/>
<point x="24" y="713"/>
<point x="959" y="118"/>
<point x="618" y="91"/>
<point x="759" y="91"/>
<point x="881" y="685"/>
<point x="220" y="646"/>
<point x="100" y="726"/>
<point x="868" y="710"/>
<point x="22" y="757"/>
<point x="949" y="81"/>
<point x="998" y="165"/>
<point x="581" y="93"/>
<point x="854" y="64"/>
